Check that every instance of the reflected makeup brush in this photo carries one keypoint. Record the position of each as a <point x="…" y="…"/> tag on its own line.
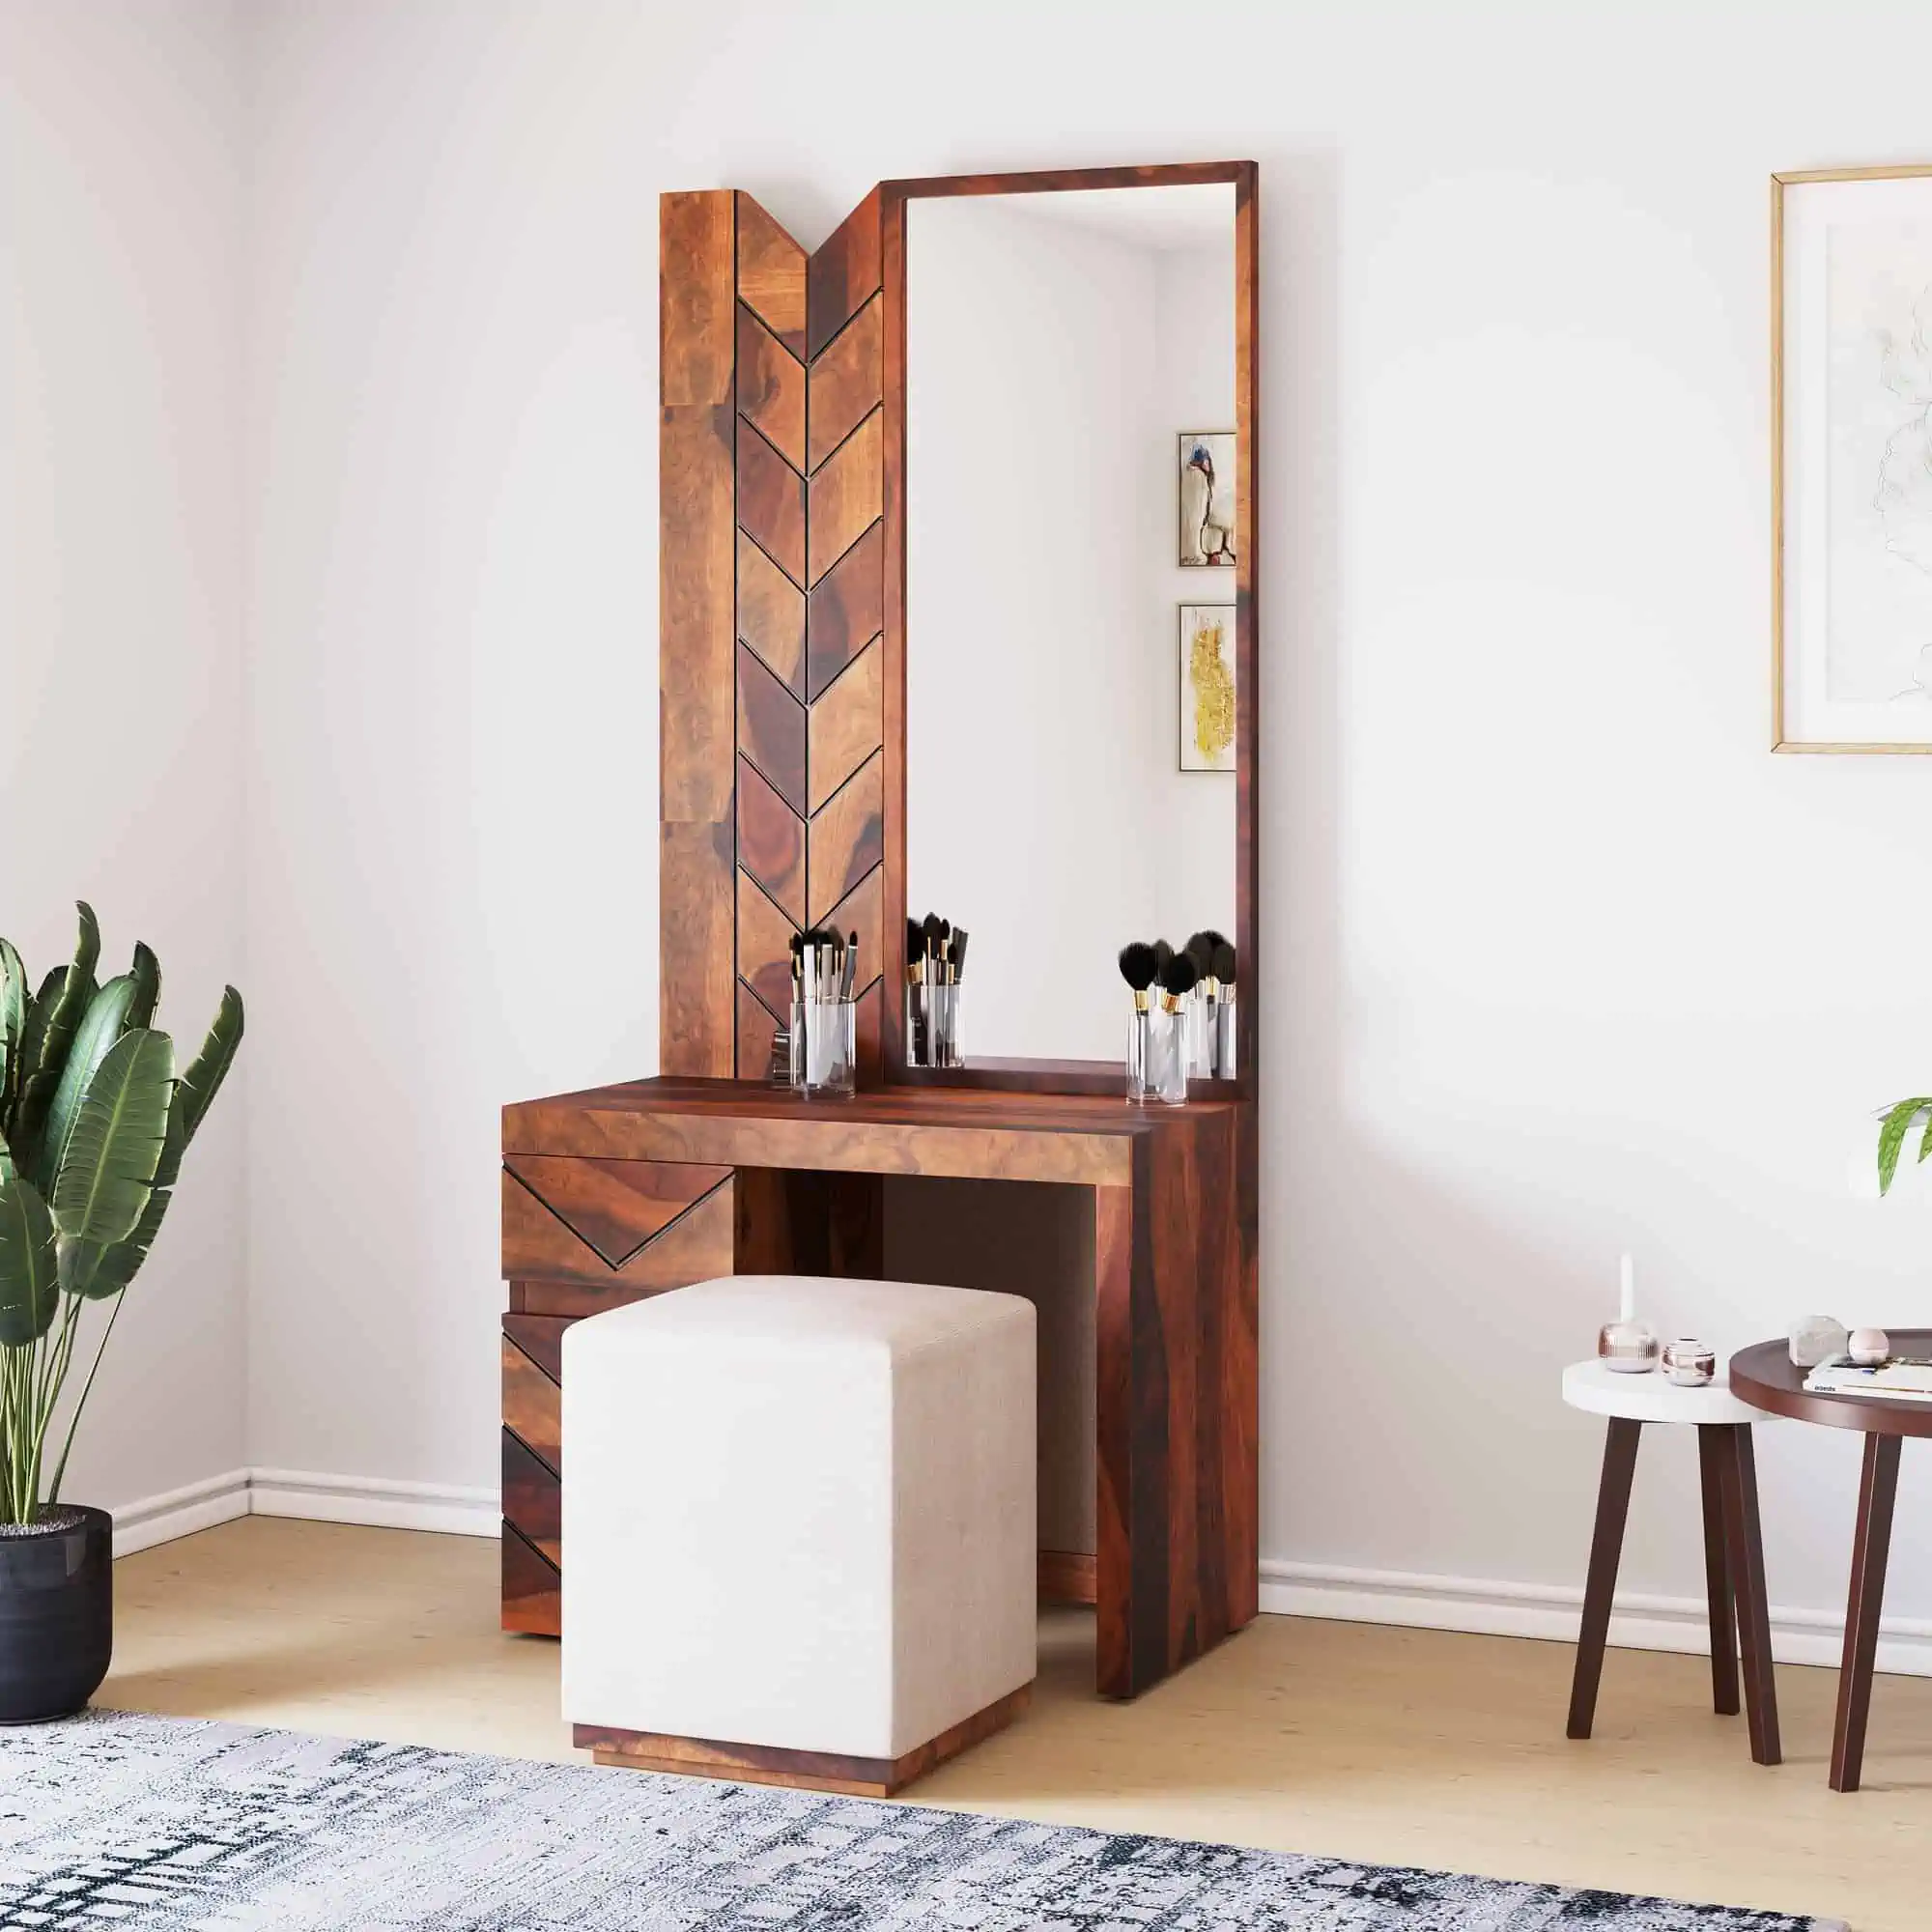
<point x="957" y="952"/>
<point x="1224" y="1012"/>
<point x="1162" y="954"/>
<point x="1140" y="966"/>
<point x="1176" y="981"/>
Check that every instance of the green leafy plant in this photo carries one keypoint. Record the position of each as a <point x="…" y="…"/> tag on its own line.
<point x="1896" y="1123"/>
<point x="93" y="1122"/>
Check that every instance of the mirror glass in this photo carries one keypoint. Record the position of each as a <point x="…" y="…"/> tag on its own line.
<point x="1069" y="595"/>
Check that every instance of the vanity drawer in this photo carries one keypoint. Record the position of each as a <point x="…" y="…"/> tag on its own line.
<point x="618" y="1228"/>
<point x="533" y="1374"/>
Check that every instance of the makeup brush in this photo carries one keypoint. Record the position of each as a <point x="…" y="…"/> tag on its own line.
<point x="959" y="938"/>
<point x="1162" y="954"/>
<point x="1140" y="966"/>
<point x="1178" y="979"/>
<point x="1222" y="1018"/>
<point x="851" y="968"/>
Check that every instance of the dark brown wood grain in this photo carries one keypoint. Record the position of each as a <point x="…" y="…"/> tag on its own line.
<point x="771" y="729"/>
<point x="614" y="1205"/>
<point x="1607" y="1547"/>
<point x="770" y="503"/>
<point x="793" y="1221"/>
<point x="846" y="838"/>
<point x="1067" y="1577"/>
<point x="844" y="497"/>
<point x="757" y="1026"/>
<point x="532" y="1590"/>
<point x="1764" y="1375"/>
<point x="1871" y="1554"/>
<point x="1052" y="180"/>
<point x="695" y="898"/>
<point x="771" y="842"/>
<point x="845" y="383"/>
<point x="541" y="1338"/>
<point x="770" y="389"/>
<point x="809" y="1770"/>
<point x="771" y="274"/>
<point x="843" y="274"/>
<point x="1744" y="1551"/>
<point x="557" y="1274"/>
<point x="771" y="614"/>
<point x="532" y="1405"/>
<point x="695" y="621"/>
<point x="858" y="912"/>
<point x="1247" y="622"/>
<point x="846" y="726"/>
<point x="764" y="950"/>
<point x="695" y="299"/>
<point x="845" y="611"/>
<point x="1719" y="1599"/>
<point x="532" y="1498"/>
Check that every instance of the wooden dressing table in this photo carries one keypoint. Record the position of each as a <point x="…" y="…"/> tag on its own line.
<point x="782" y="782"/>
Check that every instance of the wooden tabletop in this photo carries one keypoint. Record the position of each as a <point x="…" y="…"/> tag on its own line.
<point x="1069" y="1137"/>
<point x="1765" y="1375"/>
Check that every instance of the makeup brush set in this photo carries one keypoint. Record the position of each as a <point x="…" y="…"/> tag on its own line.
<point x="824" y="1034"/>
<point x="1183" y="1019"/>
<point x="935" y="961"/>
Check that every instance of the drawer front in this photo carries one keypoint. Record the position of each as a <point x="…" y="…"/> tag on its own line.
<point x="571" y="1219"/>
<point x="533" y="1400"/>
<point x="532" y="1499"/>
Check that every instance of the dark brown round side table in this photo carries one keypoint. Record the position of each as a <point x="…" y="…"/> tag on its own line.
<point x="1763" y="1376"/>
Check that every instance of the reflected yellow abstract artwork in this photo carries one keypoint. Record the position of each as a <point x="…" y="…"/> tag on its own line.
<point x="1206" y="686"/>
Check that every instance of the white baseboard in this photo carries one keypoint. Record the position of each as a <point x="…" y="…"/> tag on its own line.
<point x="375" y="1501"/>
<point x="371" y="1500"/>
<point x="1552" y="1612"/>
<point x="181" y="1512"/>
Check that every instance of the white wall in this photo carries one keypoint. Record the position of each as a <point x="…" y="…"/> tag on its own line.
<point x="1560" y="960"/>
<point x="120" y="618"/>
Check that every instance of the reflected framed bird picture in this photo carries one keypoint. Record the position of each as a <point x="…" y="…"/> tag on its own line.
<point x="1206" y="499"/>
<point x="1206" y="653"/>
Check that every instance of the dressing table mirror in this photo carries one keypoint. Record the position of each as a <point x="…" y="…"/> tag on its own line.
<point x="933" y="499"/>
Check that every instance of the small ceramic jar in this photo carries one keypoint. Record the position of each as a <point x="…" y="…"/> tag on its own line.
<point x="1688" y="1363"/>
<point x="1868" y="1347"/>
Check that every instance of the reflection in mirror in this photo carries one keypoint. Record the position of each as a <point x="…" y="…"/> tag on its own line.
<point x="1070" y="594"/>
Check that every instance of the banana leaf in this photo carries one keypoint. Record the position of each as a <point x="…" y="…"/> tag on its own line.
<point x="12" y="1019"/>
<point x="28" y="1263"/>
<point x="206" y="1072"/>
<point x="108" y="1165"/>
<point x="99" y="1028"/>
<point x="51" y="1024"/>
<point x="99" y="1269"/>
<point x="146" y="973"/>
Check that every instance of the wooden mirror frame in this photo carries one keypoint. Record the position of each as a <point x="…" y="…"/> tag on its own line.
<point x="1072" y="1076"/>
<point x="781" y="755"/>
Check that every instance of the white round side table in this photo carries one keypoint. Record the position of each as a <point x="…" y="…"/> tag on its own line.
<point x="1733" y="1546"/>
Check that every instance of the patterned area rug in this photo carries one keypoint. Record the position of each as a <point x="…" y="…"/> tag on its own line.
<point x="163" y="1821"/>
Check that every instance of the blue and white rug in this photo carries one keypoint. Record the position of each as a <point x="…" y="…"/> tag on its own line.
<point x="162" y="1822"/>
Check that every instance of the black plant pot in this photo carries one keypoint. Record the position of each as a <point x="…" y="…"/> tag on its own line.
<point x="56" y="1615"/>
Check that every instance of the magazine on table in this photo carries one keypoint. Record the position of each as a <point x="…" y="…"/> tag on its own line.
<point x="1902" y="1377"/>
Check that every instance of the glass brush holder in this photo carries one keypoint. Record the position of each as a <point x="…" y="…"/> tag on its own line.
<point x="824" y="1047"/>
<point x="933" y="1023"/>
<point x="1168" y="1042"/>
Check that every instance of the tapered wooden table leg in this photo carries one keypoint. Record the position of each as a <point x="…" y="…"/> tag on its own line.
<point x="1745" y="1543"/>
<point x="1613" y="1495"/>
<point x="1717" y="1572"/>
<point x="1871" y="1549"/>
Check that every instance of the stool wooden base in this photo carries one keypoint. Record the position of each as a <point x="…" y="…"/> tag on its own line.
<point x="1733" y="1577"/>
<point x="806" y="1771"/>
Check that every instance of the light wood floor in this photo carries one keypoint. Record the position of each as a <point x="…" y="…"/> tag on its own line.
<point x="1401" y="1746"/>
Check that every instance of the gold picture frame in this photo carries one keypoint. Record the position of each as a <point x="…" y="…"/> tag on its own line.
<point x="1782" y="663"/>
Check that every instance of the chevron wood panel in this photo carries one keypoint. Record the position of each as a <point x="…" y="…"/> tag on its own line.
<point x="532" y="1498"/>
<point x="845" y="383"/>
<point x="770" y="389"/>
<point x="614" y="1205"/>
<point x="846" y="838"/>
<point x="538" y="1242"/>
<point x="846" y="611"/>
<point x="757" y="1030"/>
<point x="771" y="274"/>
<point x="541" y="1338"/>
<point x="696" y="1247"/>
<point x="771" y="842"/>
<point x="532" y="1405"/>
<point x="843" y="275"/>
<point x="770" y="503"/>
<point x="771" y="615"/>
<point x="764" y="947"/>
<point x="863" y="911"/>
<point x="846" y="725"/>
<point x="533" y="1588"/>
<point x="771" y="729"/>
<point x="845" y="497"/>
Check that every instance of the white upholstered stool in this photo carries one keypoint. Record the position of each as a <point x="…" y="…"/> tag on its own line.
<point x="801" y="1524"/>
<point x="1733" y="1548"/>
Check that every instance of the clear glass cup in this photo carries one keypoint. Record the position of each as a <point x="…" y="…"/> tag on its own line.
<point x="831" y="1049"/>
<point x="1168" y="1054"/>
<point x="1140" y="1028"/>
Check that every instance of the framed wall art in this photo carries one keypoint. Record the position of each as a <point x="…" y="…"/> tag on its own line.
<point x="1851" y="460"/>
<point x="1206" y="658"/>
<point x="1207" y="496"/>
